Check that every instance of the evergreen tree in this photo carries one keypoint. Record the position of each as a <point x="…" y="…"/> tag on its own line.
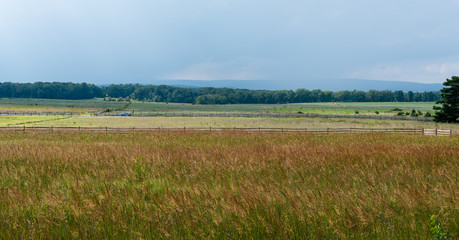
<point x="449" y="111"/>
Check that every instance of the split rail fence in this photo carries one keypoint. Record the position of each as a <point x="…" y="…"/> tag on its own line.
<point x="419" y="131"/>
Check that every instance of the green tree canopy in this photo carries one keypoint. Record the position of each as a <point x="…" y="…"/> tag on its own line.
<point x="449" y="111"/>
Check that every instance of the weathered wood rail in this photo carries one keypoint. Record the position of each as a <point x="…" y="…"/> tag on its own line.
<point x="419" y="131"/>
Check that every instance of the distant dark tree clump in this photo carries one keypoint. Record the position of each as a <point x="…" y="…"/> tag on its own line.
<point x="449" y="111"/>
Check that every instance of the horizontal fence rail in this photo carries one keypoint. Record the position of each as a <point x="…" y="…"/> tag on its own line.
<point x="438" y="132"/>
<point x="419" y="131"/>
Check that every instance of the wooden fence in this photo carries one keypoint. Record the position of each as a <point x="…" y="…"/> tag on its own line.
<point x="419" y="131"/>
<point x="438" y="132"/>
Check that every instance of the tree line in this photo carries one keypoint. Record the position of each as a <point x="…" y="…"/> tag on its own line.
<point x="51" y="90"/>
<point x="205" y="95"/>
<point x="208" y="95"/>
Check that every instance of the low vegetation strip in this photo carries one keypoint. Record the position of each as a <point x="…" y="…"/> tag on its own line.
<point x="198" y="185"/>
<point x="439" y="132"/>
<point x="107" y="113"/>
<point x="265" y="115"/>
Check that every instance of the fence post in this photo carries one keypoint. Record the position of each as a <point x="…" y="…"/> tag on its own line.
<point x="23" y="129"/>
<point x="106" y="128"/>
<point x="210" y="129"/>
<point x="259" y="129"/>
<point x="436" y="132"/>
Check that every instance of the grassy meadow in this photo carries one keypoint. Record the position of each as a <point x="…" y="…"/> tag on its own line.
<point x="199" y="185"/>
<point x="225" y="185"/>
<point x="94" y="105"/>
<point x="215" y="122"/>
<point x="56" y="105"/>
<point x="348" y="108"/>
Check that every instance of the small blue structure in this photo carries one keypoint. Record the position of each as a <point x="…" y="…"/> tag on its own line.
<point x="125" y="114"/>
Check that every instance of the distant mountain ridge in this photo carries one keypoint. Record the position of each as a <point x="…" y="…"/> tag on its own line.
<point x="323" y="84"/>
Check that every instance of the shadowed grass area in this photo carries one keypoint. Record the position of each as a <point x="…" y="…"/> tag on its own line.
<point x="227" y="185"/>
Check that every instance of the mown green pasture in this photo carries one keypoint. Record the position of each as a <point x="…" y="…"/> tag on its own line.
<point x="29" y="120"/>
<point x="56" y="105"/>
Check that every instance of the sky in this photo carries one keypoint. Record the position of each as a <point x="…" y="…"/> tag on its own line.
<point x="137" y="41"/>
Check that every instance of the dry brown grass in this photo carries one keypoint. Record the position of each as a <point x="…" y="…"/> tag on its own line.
<point x="226" y="185"/>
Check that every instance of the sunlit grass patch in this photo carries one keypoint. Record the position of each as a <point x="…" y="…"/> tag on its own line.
<point x="227" y="185"/>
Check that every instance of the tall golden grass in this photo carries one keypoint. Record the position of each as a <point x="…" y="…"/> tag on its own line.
<point x="227" y="185"/>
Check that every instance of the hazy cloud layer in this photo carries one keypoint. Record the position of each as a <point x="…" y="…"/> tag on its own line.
<point x="140" y="40"/>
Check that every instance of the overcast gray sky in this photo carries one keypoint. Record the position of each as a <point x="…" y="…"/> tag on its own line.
<point x="129" y="41"/>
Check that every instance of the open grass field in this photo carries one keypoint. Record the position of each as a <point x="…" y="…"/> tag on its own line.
<point x="56" y="105"/>
<point x="384" y="108"/>
<point x="215" y="122"/>
<point x="93" y="105"/>
<point x="367" y="108"/>
<point x="28" y="120"/>
<point x="199" y="185"/>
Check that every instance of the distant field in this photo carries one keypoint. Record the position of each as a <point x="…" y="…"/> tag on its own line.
<point x="324" y="108"/>
<point x="227" y="186"/>
<point x="216" y="122"/>
<point x="28" y="120"/>
<point x="383" y="108"/>
<point x="56" y="105"/>
<point x="92" y="105"/>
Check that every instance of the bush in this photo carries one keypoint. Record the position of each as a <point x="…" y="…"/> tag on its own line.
<point x="376" y="112"/>
<point x="428" y="114"/>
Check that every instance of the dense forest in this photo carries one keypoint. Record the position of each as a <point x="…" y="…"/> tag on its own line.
<point x="162" y="93"/>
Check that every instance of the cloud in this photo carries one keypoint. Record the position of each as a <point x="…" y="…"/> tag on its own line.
<point x="451" y="68"/>
<point x="411" y="72"/>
